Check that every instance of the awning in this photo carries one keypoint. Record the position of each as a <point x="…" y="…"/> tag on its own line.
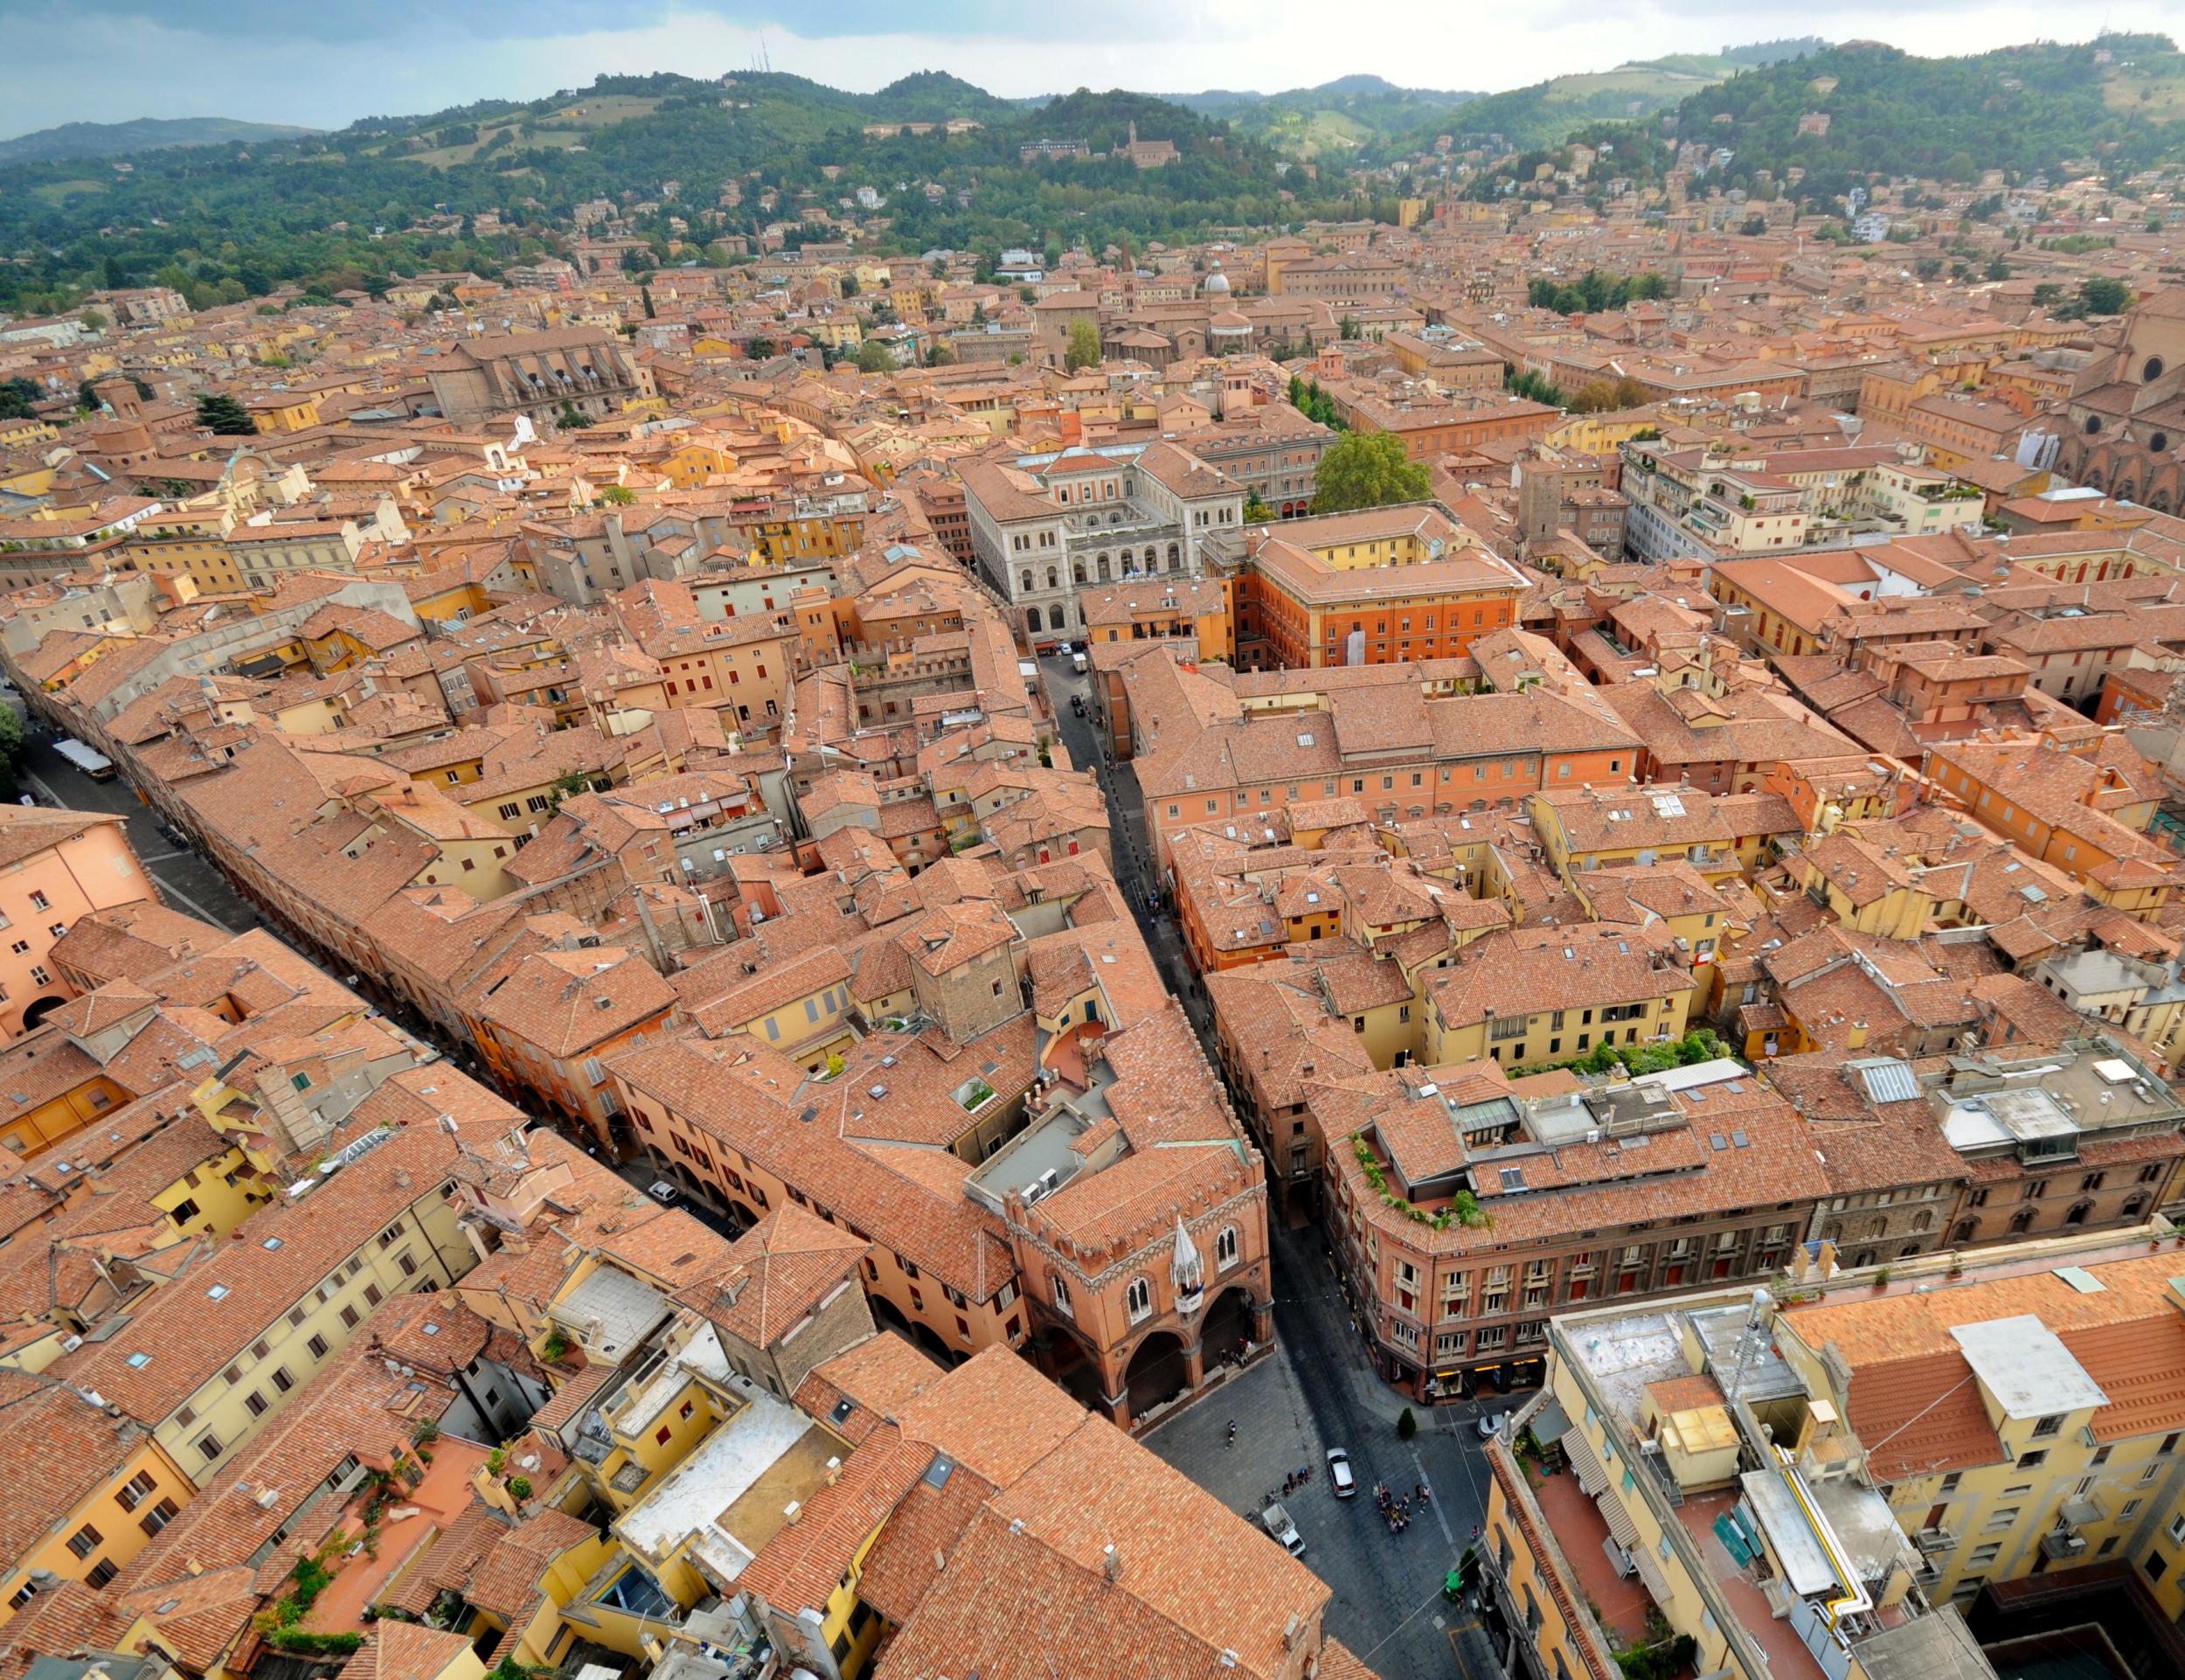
<point x="1591" y="1473"/>
<point x="2082" y="1512"/>
<point x="1621" y="1526"/>
<point x="1650" y="1572"/>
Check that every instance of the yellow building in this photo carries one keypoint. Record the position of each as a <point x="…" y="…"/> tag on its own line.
<point x="1546" y="993"/>
<point x="100" y="1490"/>
<point x="203" y="1362"/>
<point x="188" y="541"/>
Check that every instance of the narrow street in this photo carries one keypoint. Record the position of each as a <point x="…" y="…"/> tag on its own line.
<point x="1320" y="1390"/>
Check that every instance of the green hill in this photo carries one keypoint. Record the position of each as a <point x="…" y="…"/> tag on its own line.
<point x="141" y="134"/>
<point x="1544" y="114"/>
<point x="335" y="210"/>
<point x="1350" y="114"/>
<point x="2025" y="110"/>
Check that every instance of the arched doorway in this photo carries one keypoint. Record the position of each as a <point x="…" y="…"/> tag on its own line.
<point x="930" y="1342"/>
<point x="1156" y="1374"/>
<point x="1075" y="1373"/>
<point x="744" y="1217"/>
<point x="39" y="1011"/>
<point x="1228" y="1326"/>
<point x="888" y="1316"/>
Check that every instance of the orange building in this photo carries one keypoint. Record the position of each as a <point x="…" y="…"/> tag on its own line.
<point x="60" y="865"/>
<point x="1374" y="587"/>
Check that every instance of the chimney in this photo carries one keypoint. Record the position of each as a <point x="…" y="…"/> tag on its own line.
<point x="1112" y="1562"/>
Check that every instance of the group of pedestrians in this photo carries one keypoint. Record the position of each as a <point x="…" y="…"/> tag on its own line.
<point x="1397" y="1507"/>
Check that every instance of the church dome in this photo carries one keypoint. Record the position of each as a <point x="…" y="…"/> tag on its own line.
<point x="1218" y="281"/>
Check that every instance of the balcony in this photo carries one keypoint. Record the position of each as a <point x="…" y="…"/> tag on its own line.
<point x="1932" y="1540"/>
<point x="2064" y="1544"/>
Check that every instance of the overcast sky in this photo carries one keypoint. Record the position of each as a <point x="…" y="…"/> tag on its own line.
<point x="325" y="65"/>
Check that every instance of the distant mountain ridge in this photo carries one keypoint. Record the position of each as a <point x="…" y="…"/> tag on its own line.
<point x="142" y="134"/>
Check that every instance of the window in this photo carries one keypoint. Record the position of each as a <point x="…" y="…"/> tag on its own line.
<point x="349" y="1317"/>
<point x="85" y="1541"/>
<point x="138" y="1489"/>
<point x="1225" y="1247"/>
<point x="102" y="1572"/>
<point x="2044" y="1428"/>
<point x="209" y="1448"/>
<point x="184" y="1211"/>
<point x="160" y="1515"/>
<point x="1138" y="1300"/>
<point x="317" y="1345"/>
<point x="1060" y="1293"/>
<point x="281" y="1380"/>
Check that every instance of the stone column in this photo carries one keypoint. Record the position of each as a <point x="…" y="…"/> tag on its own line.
<point x="1194" y="1365"/>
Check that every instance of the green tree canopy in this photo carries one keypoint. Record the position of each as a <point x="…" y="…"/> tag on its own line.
<point x="2103" y="296"/>
<point x="873" y="357"/>
<point x="223" y="416"/>
<point x="1084" y="349"/>
<point x="1368" y="469"/>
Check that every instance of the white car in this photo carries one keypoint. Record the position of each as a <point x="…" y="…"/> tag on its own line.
<point x="1277" y="1522"/>
<point x="664" y="1191"/>
<point x="1339" y="1474"/>
<point x="1491" y="1424"/>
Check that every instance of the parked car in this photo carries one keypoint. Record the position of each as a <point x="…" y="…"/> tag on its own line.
<point x="1076" y="704"/>
<point x="1340" y="1476"/>
<point x="1277" y="1522"/>
<point x="1490" y="1424"/>
<point x="664" y="1191"/>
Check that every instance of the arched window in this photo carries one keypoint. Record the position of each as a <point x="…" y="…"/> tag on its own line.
<point x="1101" y="565"/>
<point x="1225" y="1247"/>
<point x="2021" y="1221"/>
<point x="1076" y="571"/>
<point x="2093" y="424"/>
<point x="2151" y="370"/>
<point x="1059" y="1292"/>
<point x="1138" y="1300"/>
<point x="2078" y="1212"/>
<point x="2160" y="443"/>
<point x="1175" y="557"/>
<point x="1031" y="619"/>
<point x="2134" y="1205"/>
<point x="1025" y="581"/>
<point x="1964" y="1232"/>
<point x="1053" y="579"/>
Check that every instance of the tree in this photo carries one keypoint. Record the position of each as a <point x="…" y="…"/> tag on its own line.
<point x="1368" y="469"/>
<point x="1997" y="269"/>
<point x="758" y="349"/>
<point x="2103" y="296"/>
<point x="223" y="416"/>
<point x="618" y="495"/>
<point x="645" y="296"/>
<point x="1348" y="327"/>
<point x="93" y="321"/>
<point x="17" y="395"/>
<point x="874" y="357"/>
<point x="941" y="354"/>
<point x="1406" y="1424"/>
<point x="1084" y="349"/>
<point x="11" y="748"/>
<point x="1256" y="511"/>
<point x="850" y="285"/>
<point x="571" y="418"/>
<point x="1600" y="396"/>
